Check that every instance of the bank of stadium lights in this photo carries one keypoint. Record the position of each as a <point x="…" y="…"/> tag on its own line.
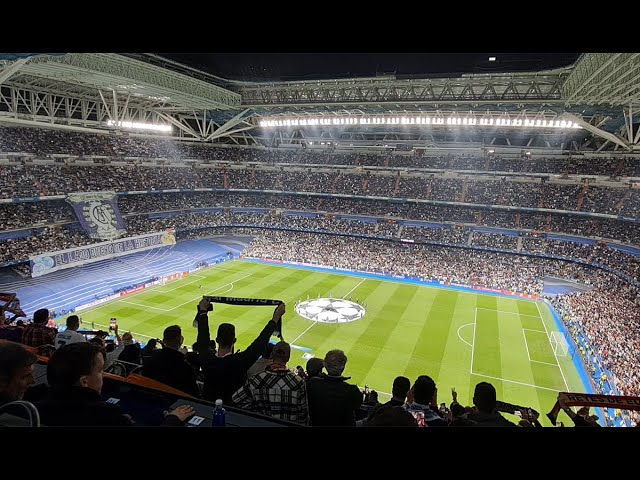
<point x="141" y="126"/>
<point x="420" y="120"/>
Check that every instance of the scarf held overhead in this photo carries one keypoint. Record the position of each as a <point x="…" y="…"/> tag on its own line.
<point x="249" y="302"/>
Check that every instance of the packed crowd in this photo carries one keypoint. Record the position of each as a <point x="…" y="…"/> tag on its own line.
<point x="608" y="315"/>
<point x="467" y="267"/>
<point x="46" y="180"/>
<point x="52" y="238"/>
<point x="11" y="214"/>
<point x="42" y="240"/>
<point x="49" y="141"/>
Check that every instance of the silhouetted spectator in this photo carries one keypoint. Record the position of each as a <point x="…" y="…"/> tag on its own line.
<point x="314" y="367"/>
<point x="424" y="393"/>
<point x="169" y="365"/>
<point x="484" y="399"/>
<point x="333" y="401"/>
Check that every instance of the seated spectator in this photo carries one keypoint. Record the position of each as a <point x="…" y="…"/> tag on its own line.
<point x="38" y="333"/>
<point x="333" y="401"/>
<point x="16" y="371"/>
<point x="391" y="416"/>
<point x="399" y="390"/>
<point x="148" y="349"/>
<point x="314" y="367"/>
<point x="70" y="335"/>
<point x="225" y="371"/>
<point x="276" y="391"/>
<point x="112" y="350"/>
<point x="131" y="352"/>
<point x="169" y="365"/>
<point x="486" y="415"/>
<point x="424" y="396"/>
<point x="75" y="375"/>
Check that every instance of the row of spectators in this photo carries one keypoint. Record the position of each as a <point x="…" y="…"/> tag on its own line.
<point x="46" y="180"/>
<point x="60" y="237"/>
<point x="49" y="141"/>
<point x="15" y="216"/>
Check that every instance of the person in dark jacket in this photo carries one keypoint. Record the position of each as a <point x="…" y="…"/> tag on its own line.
<point x="169" y="365"/>
<point x="333" y="401"/>
<point x="75" y="375"/>
<point x="131" y="353"/>
<point x="485" y="414"/>
<point x="148" y="349"/>
<point x="225" y="370"/>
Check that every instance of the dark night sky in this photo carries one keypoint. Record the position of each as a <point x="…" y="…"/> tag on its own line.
<point x="312" y="66"/>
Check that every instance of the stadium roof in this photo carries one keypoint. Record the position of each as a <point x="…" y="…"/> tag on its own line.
<point x="600" y="91"/>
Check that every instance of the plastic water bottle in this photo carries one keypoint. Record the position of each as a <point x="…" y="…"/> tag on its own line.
<point x="218" y="414"/>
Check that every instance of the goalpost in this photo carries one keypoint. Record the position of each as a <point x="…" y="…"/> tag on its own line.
<point x="559" y="343"/>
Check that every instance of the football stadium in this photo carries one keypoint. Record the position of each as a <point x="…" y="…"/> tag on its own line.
<point x="447" y="250"/>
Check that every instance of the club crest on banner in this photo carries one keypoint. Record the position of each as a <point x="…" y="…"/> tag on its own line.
<point x="98" y="214"/>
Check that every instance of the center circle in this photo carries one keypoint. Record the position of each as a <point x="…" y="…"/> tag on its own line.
<point x="330" y="310"/>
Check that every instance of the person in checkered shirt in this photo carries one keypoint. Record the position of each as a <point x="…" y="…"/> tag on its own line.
<point x="277" y="391"/>
<point x="38" y="333"/>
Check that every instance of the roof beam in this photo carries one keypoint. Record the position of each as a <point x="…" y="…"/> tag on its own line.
<point x="596" y="131"/>
<point x="12" y="69"/>
<point x="230" y="124"/>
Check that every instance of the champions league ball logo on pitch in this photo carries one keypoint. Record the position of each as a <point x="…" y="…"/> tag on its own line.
<point x="330" y="310"/>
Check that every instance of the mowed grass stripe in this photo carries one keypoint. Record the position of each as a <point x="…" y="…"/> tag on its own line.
<point x="426" y="357"/>
<point x="515" y="363"/>
<point x="486" y="345"/>
<point x="366" y="349"/>
<point x="456" y="357"/>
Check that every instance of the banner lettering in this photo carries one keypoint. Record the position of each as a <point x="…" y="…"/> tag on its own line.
<point x="74" y="257"/>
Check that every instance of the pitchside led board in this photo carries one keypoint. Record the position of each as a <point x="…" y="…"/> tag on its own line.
<point x="74" y="257"/>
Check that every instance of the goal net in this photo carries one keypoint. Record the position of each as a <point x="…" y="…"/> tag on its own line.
<point x="559" y="343"/>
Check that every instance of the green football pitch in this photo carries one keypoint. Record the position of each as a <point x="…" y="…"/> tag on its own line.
<point x="457" y="338"/>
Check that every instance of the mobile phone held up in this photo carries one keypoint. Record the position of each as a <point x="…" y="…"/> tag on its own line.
<point x="112" y="324"/>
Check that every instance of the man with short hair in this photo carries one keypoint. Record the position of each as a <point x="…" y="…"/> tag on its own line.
<point x="484" y="398"/>
<point x="16" y="371"/>
<point x="276" y="391"/>
<point x="314" y="367"/>
<point x="169" y="365"/>
<point x="425" y="396"/>
<point x="38" y="333"/>
<point x="131" y="354"/>
<point x="399" y="390"/>
<point x="70" y="335"/>
<point x="75" y="376"/>
<point x="333" y="401"/>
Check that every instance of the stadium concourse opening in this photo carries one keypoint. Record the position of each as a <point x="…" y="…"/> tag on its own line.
<point x="330" y="310"/>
